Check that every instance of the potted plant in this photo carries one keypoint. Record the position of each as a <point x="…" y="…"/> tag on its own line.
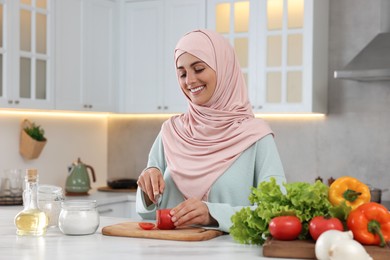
<point x="32" y="140"/>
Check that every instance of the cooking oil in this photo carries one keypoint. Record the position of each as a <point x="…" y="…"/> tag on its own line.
<point x="31" y="220"/>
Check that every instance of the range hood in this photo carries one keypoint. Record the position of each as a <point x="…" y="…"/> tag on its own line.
<point x="373" y="62"/>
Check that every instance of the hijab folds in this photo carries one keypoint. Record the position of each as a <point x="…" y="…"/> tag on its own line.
<point x="202" y="143"/>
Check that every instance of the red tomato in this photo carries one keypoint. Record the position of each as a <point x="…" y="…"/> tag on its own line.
<point x="146" y="225"/>
<point x="320" y="224"/>
<point x="285" y="227"/>
<point x="163" y="218"/>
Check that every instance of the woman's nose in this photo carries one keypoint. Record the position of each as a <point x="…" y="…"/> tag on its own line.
<point x="190" y="79"/>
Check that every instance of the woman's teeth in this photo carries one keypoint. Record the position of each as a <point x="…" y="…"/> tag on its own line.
<point x="196" y="89"/>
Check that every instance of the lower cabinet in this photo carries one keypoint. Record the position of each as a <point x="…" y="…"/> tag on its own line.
<point x="125" y="209"/>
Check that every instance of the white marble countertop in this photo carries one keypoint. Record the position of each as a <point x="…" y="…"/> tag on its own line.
<point x="55" y="245"/>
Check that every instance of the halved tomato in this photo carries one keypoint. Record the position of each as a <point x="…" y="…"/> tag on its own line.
<point x="146" y="225"/>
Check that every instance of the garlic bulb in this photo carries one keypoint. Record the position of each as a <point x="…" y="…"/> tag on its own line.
<point x="348" y="249"/>
<point x="327" y="239"/>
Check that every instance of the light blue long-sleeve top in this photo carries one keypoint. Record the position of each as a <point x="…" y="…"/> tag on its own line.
<point x="230" y="192"/>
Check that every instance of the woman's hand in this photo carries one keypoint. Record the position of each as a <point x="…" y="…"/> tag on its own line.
<point x="192" y="212"/>
<point x="151" y="182"/>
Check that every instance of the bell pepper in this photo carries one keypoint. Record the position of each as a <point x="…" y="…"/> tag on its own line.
<point x="350" y="190"/>
<point x="370" y="224"/>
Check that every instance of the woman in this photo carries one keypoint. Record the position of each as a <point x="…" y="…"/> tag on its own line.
<point x="205" y="161"/>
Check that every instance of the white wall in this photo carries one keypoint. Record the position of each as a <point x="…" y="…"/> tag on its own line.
<point x="69" y="137"/>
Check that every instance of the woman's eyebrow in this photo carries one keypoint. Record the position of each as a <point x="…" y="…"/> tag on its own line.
<point x="191" y="65"/>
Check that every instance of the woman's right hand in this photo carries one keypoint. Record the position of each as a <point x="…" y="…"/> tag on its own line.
<point x="151" y="182"/>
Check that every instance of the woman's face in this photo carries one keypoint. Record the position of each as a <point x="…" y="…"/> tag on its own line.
<point x="196" y="78"/>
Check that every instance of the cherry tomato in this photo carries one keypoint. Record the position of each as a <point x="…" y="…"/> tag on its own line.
<point x="285" y="227"/>
<point x="163" y="218"/>
<point x="320" y="224"/>
<point x="146" y="225"/>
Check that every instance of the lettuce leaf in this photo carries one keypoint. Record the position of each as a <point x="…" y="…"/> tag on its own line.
<point x="304" y="200"/>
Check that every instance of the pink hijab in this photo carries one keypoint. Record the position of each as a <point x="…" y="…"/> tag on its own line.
<point x="202" y="143"/>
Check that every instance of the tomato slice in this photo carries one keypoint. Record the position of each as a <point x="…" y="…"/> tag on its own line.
<point x="146" y="225"/>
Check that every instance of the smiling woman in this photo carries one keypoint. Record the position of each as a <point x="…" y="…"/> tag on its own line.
<point x="205" y="161"/>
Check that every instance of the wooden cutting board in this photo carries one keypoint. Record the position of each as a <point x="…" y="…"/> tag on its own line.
<point x="305" y="249"/>
<point x="131" y="229"/>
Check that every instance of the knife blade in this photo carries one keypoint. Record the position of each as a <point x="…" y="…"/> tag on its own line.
<point x="157" y="199"/>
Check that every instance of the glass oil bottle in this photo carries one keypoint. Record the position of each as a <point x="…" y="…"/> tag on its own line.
<point x="31" y="221"/>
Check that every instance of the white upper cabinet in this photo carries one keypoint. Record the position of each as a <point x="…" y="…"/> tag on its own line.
<point x="152" y="29"/>
<point x="282" y="46"/>
<point x="26" y="54"/>
<point x="86" y="55"/>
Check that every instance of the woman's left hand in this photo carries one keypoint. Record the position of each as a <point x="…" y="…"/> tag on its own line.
<point x="192" y="212"/>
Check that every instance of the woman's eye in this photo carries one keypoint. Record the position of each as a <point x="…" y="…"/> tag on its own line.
<point x="183" y="75"/>
<point x="199" y="70"/>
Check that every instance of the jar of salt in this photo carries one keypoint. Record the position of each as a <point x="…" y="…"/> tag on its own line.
<point x="78" y="217"/>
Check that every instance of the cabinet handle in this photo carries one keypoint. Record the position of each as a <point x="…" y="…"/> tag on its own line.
<point x="105" y="211"/>
<point x="10" y="101"/>
<point x="159" y="107"/>
<point x="85" y="106"/>
<point x="260" y="107"/>
<point x="89" y="106"/>
<point x="16" y="102"/>
<point x="165" y="107"/>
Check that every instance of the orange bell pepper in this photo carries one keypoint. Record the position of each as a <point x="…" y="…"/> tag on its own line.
<point x="350" y="190"/>
<point x="370" y="224"/>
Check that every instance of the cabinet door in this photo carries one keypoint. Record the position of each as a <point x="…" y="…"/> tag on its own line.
<point x="284" y="57"/>
<point x="69" y="32"/>
<point x="180" y="18"/>
<point x="85" y="64"/>
<point x="27" y="54"/>
<point x="144" y="47"/>
<point x="99" y="89"/>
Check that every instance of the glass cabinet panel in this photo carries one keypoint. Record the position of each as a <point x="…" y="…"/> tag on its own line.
<point x="274" y="53"/>
<point x="295" y="13"/>
<point x="41" y="33"/>
<point x="241" y="47"/>
<point x="274" y="87"/>
<point x="41" y="4"/>
<point x="241" y="17"/>
<point x="275" y="14"/>
<point x="25" y="30"/>
<point x="26" y="2"/>
<point x="1" y="25"/>
<point x="294" y="50"/>
<point x="294" y="87"/>
<point x="222" y="17"/>
<point x="40" y="89"/>
<point x="25" y="78"/>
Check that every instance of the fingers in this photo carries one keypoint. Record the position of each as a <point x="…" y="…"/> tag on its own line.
<point x="151" y="183"/>
<point x="191" y="212"/>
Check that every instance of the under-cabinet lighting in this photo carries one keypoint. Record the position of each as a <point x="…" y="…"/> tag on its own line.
<point x="53" y="113"/>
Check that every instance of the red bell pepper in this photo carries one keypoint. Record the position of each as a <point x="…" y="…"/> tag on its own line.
<point x="370" y="224"/>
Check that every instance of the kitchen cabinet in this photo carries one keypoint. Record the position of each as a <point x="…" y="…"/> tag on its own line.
<point x="282" y="48"/>
<point x="152" y="29"/>
<point x="26" y="54"/>
<point x="86" y="55"/>
<point x="124" y="209"/>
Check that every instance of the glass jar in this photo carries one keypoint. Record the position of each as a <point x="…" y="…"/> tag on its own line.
<point x="78" y="217"/>
<point x="50" y="198"/>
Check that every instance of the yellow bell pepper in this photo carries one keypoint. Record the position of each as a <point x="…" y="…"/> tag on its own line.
<point x="350" y="190"/>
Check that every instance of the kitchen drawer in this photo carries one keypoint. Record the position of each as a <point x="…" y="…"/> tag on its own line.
<point x="124" y="209"/>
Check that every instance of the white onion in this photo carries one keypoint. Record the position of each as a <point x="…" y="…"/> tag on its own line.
<point x="326" y="239"/>
<point x="348" y="249"/>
